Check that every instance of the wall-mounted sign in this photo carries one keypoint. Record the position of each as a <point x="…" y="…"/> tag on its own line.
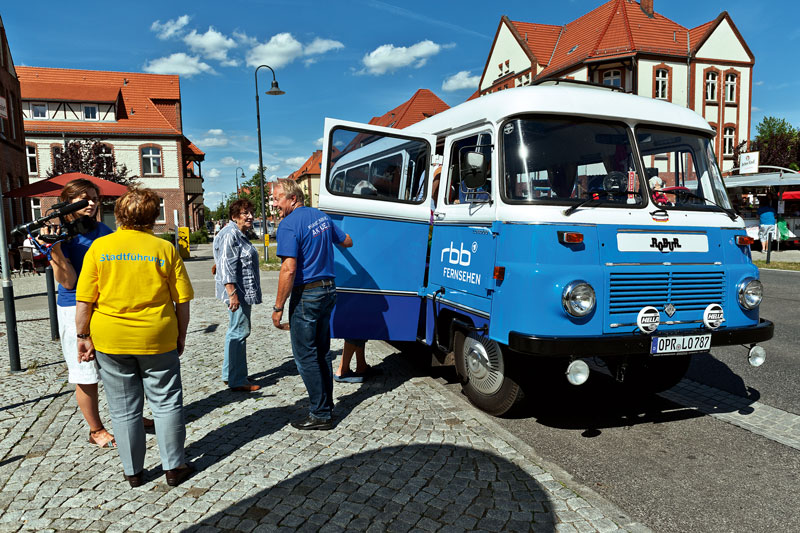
<point x="748" y="163"/>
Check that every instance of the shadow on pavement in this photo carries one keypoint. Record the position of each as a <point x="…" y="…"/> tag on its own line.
<point x="225" y="440"/>
<point x="398" y="488"/>
<point x="34" y="400"/>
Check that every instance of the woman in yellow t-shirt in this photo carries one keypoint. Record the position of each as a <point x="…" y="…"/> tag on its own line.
<point x="132" y="314"/>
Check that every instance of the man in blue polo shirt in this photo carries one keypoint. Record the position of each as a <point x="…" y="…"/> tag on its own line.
<point x="305" y="245"/>
<point x="767" y="220"/>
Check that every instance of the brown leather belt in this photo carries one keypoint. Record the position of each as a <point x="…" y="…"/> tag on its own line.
<point x="318" y="283"/>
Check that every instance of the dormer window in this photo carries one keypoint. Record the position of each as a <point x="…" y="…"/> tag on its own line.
<point x="612" y="78"/>
<point x="39" y="111"/>
<point x="90" y="112"/>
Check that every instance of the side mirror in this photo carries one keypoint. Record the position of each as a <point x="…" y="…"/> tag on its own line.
<point x="473" y="169"/>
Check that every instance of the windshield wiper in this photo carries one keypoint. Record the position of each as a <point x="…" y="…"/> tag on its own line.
<point x="567" y="212"/>
<point x="680" y="192"/>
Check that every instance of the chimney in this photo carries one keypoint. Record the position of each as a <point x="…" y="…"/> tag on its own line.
<point x="647" y="7"/>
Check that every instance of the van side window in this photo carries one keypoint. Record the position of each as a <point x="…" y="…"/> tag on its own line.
<point x="366" y="164"/>
<point x="457" y="191"/>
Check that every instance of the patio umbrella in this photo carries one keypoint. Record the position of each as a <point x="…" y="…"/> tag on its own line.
<point x="53" y="186"/>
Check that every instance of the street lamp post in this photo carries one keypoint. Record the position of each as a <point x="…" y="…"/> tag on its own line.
<point x="237" y="181"/>
<point x="275" y="91"/>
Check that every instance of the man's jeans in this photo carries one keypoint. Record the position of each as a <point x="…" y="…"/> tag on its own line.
<point x="234" y="367"/>
<point x="309" y="318"/>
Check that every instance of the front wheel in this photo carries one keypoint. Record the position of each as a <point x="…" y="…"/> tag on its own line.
<point x="483" y="367"/>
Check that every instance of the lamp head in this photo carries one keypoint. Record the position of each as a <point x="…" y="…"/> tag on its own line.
<point x="275" y="90"/>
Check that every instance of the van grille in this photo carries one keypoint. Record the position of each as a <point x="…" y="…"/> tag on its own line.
<point x="687" y="291"/>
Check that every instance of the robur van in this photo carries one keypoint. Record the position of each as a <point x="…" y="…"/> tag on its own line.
<point x="559" y="223"/>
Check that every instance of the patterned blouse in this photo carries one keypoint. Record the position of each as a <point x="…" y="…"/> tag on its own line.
<point x="237" y="263"/>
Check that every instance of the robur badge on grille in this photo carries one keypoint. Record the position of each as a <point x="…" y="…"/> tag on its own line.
<point x="713" y="316"/>
<point x="648" y="319"/>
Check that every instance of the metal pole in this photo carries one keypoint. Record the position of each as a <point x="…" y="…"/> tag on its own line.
<point x="237" y="179"/>
<point x="8" y="295"/>
<point x="261" y="163"/>
<point x="51" y="301"/>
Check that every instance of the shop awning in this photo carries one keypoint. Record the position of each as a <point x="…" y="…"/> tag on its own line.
<point x="52" y="186"/>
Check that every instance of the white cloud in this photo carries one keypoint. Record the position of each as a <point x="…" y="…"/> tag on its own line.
<point x="759" y="83"/>
<point x="215" y="132"/>
<point x="283" y="49"/>
<point x="179" y="63"/>
<point x="295" y="161"/>
<point x="213" y="198"/>
<point x="214" y="173"/>
<point x="252" y="167"/>
<point x="211" y="45"/>
<point x="279" y="51"/>
<point x="388" y="57"/>
<point x="318" y="142"/>
<point x="214" y="137"/>
<point x="170" y="28"/>
<point x="461" y="80"/>
<point x="320" y="46"/>
<point x="228" y="161"/>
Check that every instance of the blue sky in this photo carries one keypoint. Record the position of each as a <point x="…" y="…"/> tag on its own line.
<point x="352" y="59"/>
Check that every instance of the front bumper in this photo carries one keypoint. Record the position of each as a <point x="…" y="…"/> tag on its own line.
<point x="628" y="344"/>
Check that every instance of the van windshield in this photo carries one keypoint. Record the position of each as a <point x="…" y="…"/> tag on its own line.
<point x="681" y="169"/>
<point x="569" y="160"/>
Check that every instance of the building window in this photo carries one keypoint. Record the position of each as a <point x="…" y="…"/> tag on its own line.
<point x="39" y="111"/>
<point x="36" y="208"/>
<point x="730" y="88"/>
<point x="612" y="78"/>
<point x="162" y="213"/>
<point x="30" y="153"/>
<point x="711" y="86"/>
<point x="151" y="161"/>
<point x="729" y="141"/>
<point x="56" y="152"/>
<point x="89" y="112"/>
<point x="662" y="84"/>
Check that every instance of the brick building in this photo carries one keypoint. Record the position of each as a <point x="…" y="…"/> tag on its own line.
<point x="12" y="141"/>
<point x="137" y="116"/>
<point x="627" y="44"/>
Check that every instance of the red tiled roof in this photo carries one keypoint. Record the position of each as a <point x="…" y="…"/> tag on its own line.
<point x="615" y="29"/>
<point x="190" y="149"/>
<point x="422" y="105"/>
<point x="313" y="165"/>
<point x="147" y="103"/>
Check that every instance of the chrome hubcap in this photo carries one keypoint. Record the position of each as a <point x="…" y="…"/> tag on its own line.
<point x="484" y="362"/>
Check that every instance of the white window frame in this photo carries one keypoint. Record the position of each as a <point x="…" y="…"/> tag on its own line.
<point x="612" y="76"/>
<point x="149" y="158"/>
<point x="662" y="84"/>
<point x="162" y="213"/>
<point x="96" y="112"/>
<point x="34" y="105"/>
<point x="711" y="86"/>
<point x="32" y="157"/>
<point x="730" y="88"/>
<point x="728" y="141"/>
<point x="36" y="208"/>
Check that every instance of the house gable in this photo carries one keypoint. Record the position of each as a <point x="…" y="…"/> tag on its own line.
<point x="508" y="56"/>
<point x="725" y="42"/>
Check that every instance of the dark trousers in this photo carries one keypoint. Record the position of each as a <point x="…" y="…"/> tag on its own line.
<point x="309" y="318"/>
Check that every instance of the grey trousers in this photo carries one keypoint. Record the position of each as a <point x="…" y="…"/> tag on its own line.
<point x="127" y="379"/>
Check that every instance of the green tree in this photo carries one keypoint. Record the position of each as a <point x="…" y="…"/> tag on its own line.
<point x="92" y="157"/>
<point x="778" y="143"/>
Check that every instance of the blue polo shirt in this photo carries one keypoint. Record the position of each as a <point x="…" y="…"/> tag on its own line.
<point x="308" y="235"/>
<point x="74" y="250"/>
<point x="766" y="215"/>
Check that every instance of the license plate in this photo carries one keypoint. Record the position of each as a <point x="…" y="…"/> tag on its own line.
<point x="680" y="344"/>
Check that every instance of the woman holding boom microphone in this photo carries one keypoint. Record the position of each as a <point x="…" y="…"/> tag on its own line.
<point x="66" y="258"/>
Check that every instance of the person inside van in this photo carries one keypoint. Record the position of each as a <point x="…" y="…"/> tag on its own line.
<point x="388" y="184"/>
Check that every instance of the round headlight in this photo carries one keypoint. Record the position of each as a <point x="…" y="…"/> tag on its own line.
<point x="750" y="293"/>
<point x="578" y="298"/>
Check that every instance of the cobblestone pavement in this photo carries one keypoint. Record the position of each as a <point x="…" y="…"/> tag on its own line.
<point x="402" y="457"/>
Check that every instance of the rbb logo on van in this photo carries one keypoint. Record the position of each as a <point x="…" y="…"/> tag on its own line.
<point x="456" y="255"/>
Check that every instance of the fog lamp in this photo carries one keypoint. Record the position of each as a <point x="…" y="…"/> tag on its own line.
<point x="578" y="372"/>
<point x="756" y="356"/>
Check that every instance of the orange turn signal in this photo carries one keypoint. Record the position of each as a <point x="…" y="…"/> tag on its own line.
<point x="570" y="237"/>
<point x="499" y="273"/>
<point x="744" y="240"/>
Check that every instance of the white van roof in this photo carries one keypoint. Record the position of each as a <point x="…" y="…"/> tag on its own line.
<point x="572" y="100"/>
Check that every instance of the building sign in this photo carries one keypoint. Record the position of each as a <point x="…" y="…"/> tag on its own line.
<point x="3" y="108"/>
<point x="748" y="163"/>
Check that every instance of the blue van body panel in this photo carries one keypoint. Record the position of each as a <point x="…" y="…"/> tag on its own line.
<point x="463" y="258"/>
<point x="376" y="316"/>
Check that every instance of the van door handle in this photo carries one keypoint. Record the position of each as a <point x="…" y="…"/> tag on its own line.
<point x="438" y="215"/>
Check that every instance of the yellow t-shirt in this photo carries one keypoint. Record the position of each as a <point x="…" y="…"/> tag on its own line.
<point x="133" y="278"/>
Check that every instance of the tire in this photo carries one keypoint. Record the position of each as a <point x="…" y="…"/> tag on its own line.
<point x="483" y="366"/>
<point x="650" y="375"/>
